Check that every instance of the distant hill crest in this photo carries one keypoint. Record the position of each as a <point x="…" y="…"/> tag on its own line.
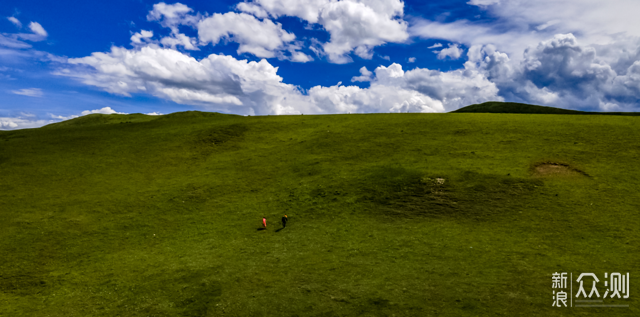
<point x="513" y="107"/>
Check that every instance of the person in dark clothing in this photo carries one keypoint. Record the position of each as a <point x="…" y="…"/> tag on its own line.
<point x="284" y="221"/>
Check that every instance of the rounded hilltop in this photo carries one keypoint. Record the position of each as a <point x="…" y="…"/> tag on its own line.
<point x="514" y="107"/>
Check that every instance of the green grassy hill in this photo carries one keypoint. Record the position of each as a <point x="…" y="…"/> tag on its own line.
<point x="513" y="107"/>
<point x="456" y="214"/>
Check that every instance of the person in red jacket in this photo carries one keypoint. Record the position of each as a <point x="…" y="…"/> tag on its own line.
<point x="264" y="222"/>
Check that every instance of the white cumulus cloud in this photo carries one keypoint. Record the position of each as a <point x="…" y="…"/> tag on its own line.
<point x="141" y="36"/>
<point x="173" y="41"/>
<point x="550" y="52"/>
<point x="453" y="52"/>
<point x="252" y="9"/>
<point x="353" y="25"/>
<point x="365" y="75"/>
<point x="261" y="38"/>
<point x="105" y="110"/>
<point x="594" y="21"/>
<point x="62" y="118"/>
<point x="223" y="83"/>
<point x="306" y="10"/>
<point x="218" y="82"/>
<point x="8" y="123"/>
<point x="561" y="72"/>
<point x="377" y="98"/>
<point x="418" y="90"/>
<point x="361" y="26"/>
<point x="172" y="16"/>
<point x="522" y="23"/>
<point x="453" y="89"/>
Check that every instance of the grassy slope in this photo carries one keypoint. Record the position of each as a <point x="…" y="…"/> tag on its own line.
<point x="513" y="107"/>
<point x="370" y="232"/>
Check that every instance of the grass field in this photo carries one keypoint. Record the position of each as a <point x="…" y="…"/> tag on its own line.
<point x="458" y="214"/>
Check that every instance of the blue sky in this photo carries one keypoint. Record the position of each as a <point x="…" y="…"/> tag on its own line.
<point x="63" y="59"/>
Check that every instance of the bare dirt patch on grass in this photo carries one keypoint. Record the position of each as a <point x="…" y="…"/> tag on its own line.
<point x="556" y="169"/>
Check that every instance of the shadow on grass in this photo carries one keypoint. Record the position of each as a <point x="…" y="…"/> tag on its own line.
<point x="259" y="229"/>
<point x="280" y="229"/>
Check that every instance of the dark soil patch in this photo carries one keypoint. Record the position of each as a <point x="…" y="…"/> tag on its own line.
<point x="555" y="169"/>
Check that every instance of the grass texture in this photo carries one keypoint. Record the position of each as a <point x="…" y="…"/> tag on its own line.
<point x="459" y="214"/>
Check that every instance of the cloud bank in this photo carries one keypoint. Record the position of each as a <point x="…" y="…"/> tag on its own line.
<point x="563" y="73"/>
<point x="223" y="83"/>
<point x="548" y="54"/>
